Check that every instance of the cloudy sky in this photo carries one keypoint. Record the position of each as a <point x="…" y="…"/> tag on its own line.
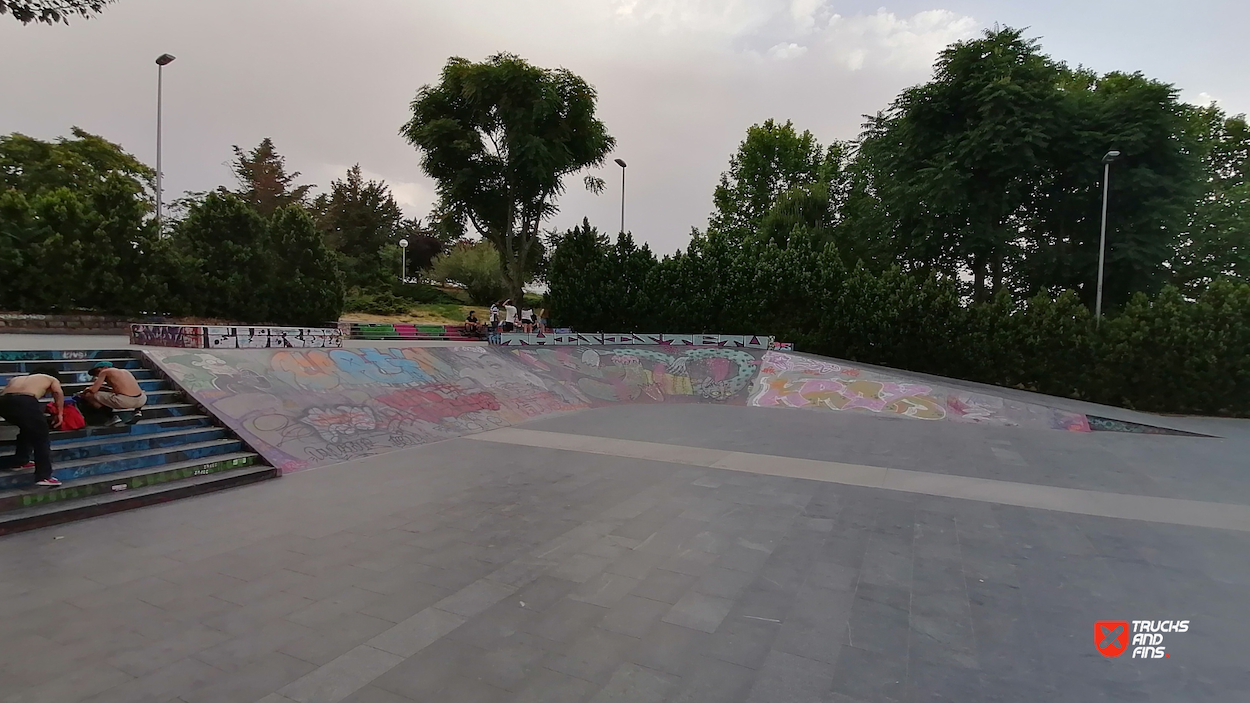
<point x="679" y="80"/>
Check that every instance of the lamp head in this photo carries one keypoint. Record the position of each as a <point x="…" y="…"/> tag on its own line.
<point x="403" y="244"/>
<point x="620" y="163"/>
<point x="1111" y="156"/>
<point x="164" y="59"/>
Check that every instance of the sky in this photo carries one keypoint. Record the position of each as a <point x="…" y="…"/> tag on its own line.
<point x="679" y="81"/>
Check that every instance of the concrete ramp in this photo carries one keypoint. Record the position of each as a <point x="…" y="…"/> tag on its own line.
<point x="302" y="408"/>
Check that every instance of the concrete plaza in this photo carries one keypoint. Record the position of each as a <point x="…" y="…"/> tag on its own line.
<point x="661" y="553"/>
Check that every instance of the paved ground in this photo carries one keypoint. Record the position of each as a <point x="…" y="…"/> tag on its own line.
<point x="474" y="570"/>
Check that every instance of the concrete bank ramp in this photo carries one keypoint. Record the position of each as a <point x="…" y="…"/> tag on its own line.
<point x="305" y="408"/>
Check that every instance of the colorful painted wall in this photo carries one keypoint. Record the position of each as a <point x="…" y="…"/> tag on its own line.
<point x="790" y="380"/>
<point x="309" y="407"/>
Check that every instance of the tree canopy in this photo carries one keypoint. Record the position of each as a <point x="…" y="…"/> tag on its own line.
<point x="499" y="137"/>
<point x="51" y="11"/>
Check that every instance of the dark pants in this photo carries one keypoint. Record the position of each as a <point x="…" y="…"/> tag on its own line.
<point x="26" y="412"/>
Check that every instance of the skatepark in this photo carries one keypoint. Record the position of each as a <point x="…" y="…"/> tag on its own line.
<point x="636" y="523"/>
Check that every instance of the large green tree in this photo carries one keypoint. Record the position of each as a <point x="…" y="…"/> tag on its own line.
<point x="1217" y="240"/>
<point x="776" y="162"/>
<point x="50" y="11"/>
<point x="499" y="137"/>
<point x="993" y="169"/>
<point x="361" y="221"/>
<point x="75" y="230"/>
<point x="228" y="258"/>
<point x="263" y="180"/>
<point x="306" y="288"/>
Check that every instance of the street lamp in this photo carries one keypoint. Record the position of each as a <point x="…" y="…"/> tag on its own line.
<point x="161" y="62"/>
<point x="403" y="261"/>
<point x="621" y="163"/>
<point x="1102" y="240"/>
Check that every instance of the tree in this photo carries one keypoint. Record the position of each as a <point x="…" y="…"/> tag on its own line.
<point x="499" y="137"/>
<point x="263" y="181"/>
<point x="772" y="160"/>
<point x="360" y="219"/>
<point x="306" y="288"/>
<point x="1217" y="240"/>
<point x="956" y="159"/>
<point x="34" y="166"/>
<point x="229" y="261"/>
<point x="51" y="11"/>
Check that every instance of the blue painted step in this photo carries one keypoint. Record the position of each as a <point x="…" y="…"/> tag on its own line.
<point x="88" y="447"/>
<point x="66" y="354"/>
<point x="78" y="365"/>
<point x="146" y="426"/>
<point x="72" y="376"/>
<point x="112" y="463"/>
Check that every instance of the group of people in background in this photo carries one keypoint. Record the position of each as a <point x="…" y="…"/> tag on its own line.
<point x="506" y="317"/>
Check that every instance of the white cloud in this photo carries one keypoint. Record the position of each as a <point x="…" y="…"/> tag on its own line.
<point x="787" y="51"/>
<point x="887" y="40"/>
<point x="1203" y="99"/>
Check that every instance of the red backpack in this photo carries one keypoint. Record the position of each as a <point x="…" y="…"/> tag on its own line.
<point x="71" y="419"/>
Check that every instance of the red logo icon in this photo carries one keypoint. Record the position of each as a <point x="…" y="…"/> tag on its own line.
<point x="1111" y="637"/>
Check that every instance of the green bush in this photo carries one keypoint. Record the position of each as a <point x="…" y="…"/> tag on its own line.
<point x="383" y="303"/>
<point x="475" y="266"/>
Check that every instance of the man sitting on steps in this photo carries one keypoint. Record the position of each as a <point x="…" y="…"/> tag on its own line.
<point x="123" y="392"/>
<point x="20" y="405"/>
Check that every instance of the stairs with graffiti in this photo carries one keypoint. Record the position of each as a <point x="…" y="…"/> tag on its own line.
<point x="174" y="451"/>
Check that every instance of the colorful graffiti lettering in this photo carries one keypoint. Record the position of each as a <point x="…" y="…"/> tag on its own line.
<point x="435" y="402"/>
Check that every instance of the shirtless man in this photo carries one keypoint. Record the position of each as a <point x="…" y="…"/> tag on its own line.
<point x="123" y="392"/>
<point x="20" y="404"/>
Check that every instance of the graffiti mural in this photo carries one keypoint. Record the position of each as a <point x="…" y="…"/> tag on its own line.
<point x="789" y="380"/>
<point x="646" y="374"/>
<point x="308" y="407"/>
<point x="185" y="336"/>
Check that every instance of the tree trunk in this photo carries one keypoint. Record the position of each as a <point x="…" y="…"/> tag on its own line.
<point x="996" y="281"/>
<point x="978" y="278"/>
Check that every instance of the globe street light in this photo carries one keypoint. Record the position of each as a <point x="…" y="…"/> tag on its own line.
<point x="161" y="62"/>
<point x="1102" y="240"/>
<point x="621" y="163"/>
<point x="403" y="261"/>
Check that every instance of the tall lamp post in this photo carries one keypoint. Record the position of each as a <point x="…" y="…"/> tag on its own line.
<point x="161" y="62"/>
<point x="403" y="261"/>
<point x="1102" y="240"/>
<point x="621" y="163"/>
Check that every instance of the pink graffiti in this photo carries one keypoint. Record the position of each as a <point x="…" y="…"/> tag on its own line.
<point x="789" y="362"/>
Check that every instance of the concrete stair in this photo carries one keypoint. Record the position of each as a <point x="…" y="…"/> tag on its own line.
<point x="175" y="451"/>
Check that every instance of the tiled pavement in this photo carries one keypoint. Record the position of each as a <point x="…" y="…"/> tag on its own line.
<point x="470" y="571"/>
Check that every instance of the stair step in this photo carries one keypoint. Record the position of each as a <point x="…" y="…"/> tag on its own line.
<point x="72" y="376"/>
<point x="145" y="426"/>
<point x="117" y="359"/>
<point x="148" y="385"/>
<point x="96" y="446"/>
<point x="111" y="502"/>
<point x="156" y="411"/>
<point x="66" y="354"/>
<point x="126" y="461"/>
<point x="94" y="485"/>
